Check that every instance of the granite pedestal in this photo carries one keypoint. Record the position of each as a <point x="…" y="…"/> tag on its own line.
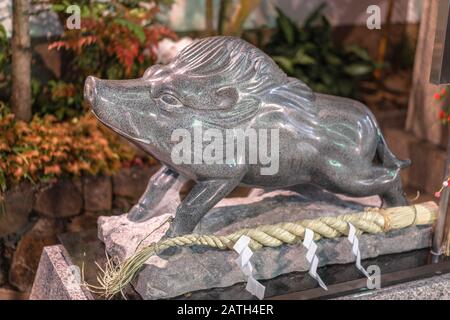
<point x="196" y="268"/>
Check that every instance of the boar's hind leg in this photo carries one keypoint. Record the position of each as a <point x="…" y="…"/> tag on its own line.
<point x="395" y="196"/>
<point x="163" y="183"/>
<point x="363" y="181"/>
<point x="204" y="196"/>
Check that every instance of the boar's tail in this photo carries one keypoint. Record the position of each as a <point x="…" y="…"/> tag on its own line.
<point x="387" y="158"/>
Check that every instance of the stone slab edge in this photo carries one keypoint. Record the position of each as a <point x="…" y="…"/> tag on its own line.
<point x="434" y="288"/>
<point x="54" y="279"/>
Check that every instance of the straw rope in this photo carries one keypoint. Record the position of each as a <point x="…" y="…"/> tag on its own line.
<point x="116" y="276"/>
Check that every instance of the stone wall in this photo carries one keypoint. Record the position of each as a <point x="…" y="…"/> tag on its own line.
<point x="36" y="214"/>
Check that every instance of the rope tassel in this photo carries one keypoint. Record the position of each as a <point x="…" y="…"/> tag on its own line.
<point x="115" y="277"/>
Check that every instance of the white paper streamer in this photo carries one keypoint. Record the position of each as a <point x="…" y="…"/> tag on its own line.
<point x="353" y="239"/>
<point x="241" y="244"/>
<point x="311" y="257"/>
<point x="255" y="288"/>
<point x="243" y="261"/>
<point x="244" y="257"/>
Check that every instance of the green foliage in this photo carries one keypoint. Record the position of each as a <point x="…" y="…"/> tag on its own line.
<point x="309" y="54"/>
<point x="117" y="40"/>
<point x="5" y="65"/>
<point x="62" y="99"/>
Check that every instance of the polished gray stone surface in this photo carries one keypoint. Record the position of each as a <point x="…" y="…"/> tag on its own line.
<point x="230" y="89"/>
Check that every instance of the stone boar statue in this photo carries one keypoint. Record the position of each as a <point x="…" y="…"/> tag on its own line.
<point x="225" y="87"/>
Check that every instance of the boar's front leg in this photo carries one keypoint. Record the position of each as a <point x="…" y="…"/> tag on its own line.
<point x="204" y="196"/>
<point x="165" y="183"/>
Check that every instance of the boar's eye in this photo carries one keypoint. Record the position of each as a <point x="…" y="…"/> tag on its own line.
<point x="170" y="100"/>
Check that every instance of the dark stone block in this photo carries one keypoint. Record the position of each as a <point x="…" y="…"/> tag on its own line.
<point x="59" y="200"/>
<point x="121" y="205"/>
<point x="18" y="204"/>
<point x="83" y="222"/>
<point x="131" y="182"/>
<point x="26" y="257"/>
<point x="97" y="193"/>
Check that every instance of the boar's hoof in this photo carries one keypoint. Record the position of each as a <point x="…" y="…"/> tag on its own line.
<point x="138" y="213"/>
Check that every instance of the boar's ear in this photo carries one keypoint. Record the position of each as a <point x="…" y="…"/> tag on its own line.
<point x="227" y="97"/>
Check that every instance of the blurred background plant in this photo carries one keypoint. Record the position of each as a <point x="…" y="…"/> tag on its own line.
<point x="309" y="54"/>
<point x="5" y="65"/>
<point x="232" y="15"/>
<point x="117" y="39"/>
<point x="46" y="148"/>
<point x="443" y="105"/>
<point x="401" y="55"/>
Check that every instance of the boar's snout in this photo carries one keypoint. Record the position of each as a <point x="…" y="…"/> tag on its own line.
<point x="90" y="90"/>
<point x="125" y="106"/>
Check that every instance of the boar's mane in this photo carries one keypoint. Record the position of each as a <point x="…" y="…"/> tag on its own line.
<point x="261" y="84"/>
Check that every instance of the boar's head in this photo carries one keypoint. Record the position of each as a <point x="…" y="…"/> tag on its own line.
<point x="220" y="82"/>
